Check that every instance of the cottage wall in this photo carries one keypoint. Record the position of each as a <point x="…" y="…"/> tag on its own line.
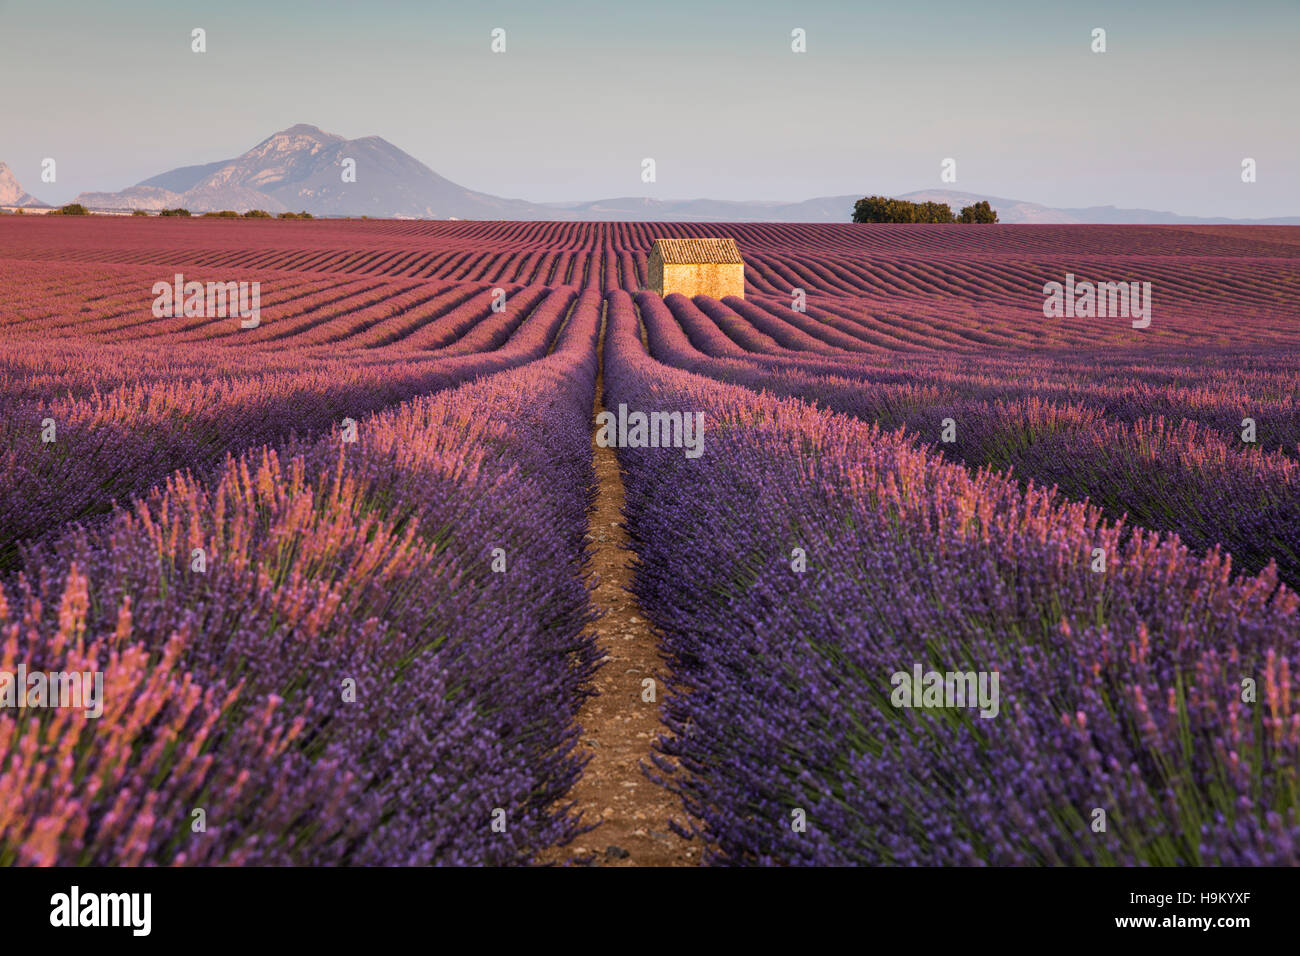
<point x="654" y="273"/>
<point x="715" y="280"/>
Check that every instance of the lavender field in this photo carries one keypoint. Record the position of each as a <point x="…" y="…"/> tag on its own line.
<point x="920" y="575"/>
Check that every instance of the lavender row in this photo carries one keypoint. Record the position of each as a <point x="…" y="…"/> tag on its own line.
<point x="367" y="652"/>
<point x="67" y="461"/>
<point x="1137" y="714"/>
<point x="1173" y="476"/>
<point x="1215" y="386"/>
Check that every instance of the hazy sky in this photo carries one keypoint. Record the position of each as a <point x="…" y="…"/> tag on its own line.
<point x="711" y="90"/>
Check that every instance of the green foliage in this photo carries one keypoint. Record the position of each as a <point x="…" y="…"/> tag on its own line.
<point x="296" y="215"/>
<point x="139" y="212"/>
<point x="979" y="212"/>
<point x="174" y="212"/>
<point x="257" y="214"/>
<point x="934" y="212"/>
<point x="224" y="214"/>
<point x="71" y="209"/>
<point x="884" y="209"/>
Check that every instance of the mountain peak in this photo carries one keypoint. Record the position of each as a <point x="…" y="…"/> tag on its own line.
<point x="306" y="131"/>
<point x="12" y="192"/>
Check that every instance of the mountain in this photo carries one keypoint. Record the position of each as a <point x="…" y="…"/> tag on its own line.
<point x="12" y="193"/>
<point x="301" y="168"/>
<point x="184" y="179"/>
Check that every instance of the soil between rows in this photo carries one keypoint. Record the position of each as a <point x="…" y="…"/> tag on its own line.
<point x="618" y="727"/>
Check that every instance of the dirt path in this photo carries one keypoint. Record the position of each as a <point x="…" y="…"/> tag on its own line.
<point x="619" y="728"/>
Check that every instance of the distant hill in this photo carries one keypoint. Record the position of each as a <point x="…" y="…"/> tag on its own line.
<point x="136" y="197"/>
<point x="1016" y="210"/>
<point x="12" y="192"/>
<point x="300" y="168"/>
<point x="642" y="208"/>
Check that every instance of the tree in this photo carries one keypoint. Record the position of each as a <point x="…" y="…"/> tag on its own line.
<point x="934" y="212"/>
<point x="884" y="209"/>
<point x="174" y="212"/>
<point x="872" y="209"/>
<point x="71" y="209"/>
<point x="978" y="212"/>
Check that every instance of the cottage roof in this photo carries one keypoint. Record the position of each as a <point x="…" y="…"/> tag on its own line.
<point x="688" y="251"/>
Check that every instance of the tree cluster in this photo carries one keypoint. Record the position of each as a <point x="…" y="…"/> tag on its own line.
<point x="884" y="209"/>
